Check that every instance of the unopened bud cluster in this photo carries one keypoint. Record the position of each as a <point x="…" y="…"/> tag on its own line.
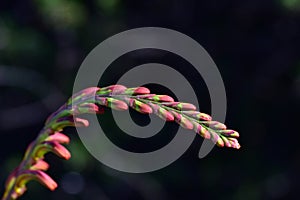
<point x="94" y="100"/>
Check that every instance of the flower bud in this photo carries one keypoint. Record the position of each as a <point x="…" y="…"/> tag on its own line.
<point x="37" y="175"/>
<point x="182" y="121"/>
<point x="54" y="147"/>
<point x="115" y="89"/>
<point x="226" y="141"/>
<point x="162" y="98"/>
<point x="58" y="137"/>
<point x="140" y="106"/>
<point x="215" y="125"/>
<point x="203" y="116"/>
<point x="230" y="133"/>
<point x="201" y="131"/>
<point x="161" y="112"/>
<point x="40" y="165"/>
<point x="181" y="106"/>
<point x="137" y="91"/>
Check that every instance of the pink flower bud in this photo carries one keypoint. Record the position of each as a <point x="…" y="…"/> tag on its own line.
<point x="203" y="116"/>
<point x="88" y="92"/>
<point x="161" y="112"/>
<point x="182" y="121"/>
<point x="215" y="125"/>
<point x="58" y="137"/>
<point x="186" y="106"/>
<point x="79" y="122"/>
<point x="88" y="108"/>
<point x="214" y="136"/>
<point x="140" y="106"/>
<point x="162" y="98"/>
<point x="117" y="104"/>
<point x="137" y="91"/>
<point x="201" y="131"/>
<point x="115" y="89"/>
<point x="54" y="147"/>
<point x="226" y="141"/>
<point x="230" y="133"/>
<point x="220" y="142"/>
<point x="37" y="175"/>
<point x="181" y="106"/>
<point x="234" y="143"/>
<point x="40" y="165"/>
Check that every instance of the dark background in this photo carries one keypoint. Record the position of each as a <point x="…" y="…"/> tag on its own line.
<point x="255" y="45"/>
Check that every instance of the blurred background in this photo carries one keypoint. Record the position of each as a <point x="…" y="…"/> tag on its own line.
<point x="255" y="45"/>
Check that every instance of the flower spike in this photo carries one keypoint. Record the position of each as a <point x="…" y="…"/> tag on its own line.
<point x="93" y="100"/>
